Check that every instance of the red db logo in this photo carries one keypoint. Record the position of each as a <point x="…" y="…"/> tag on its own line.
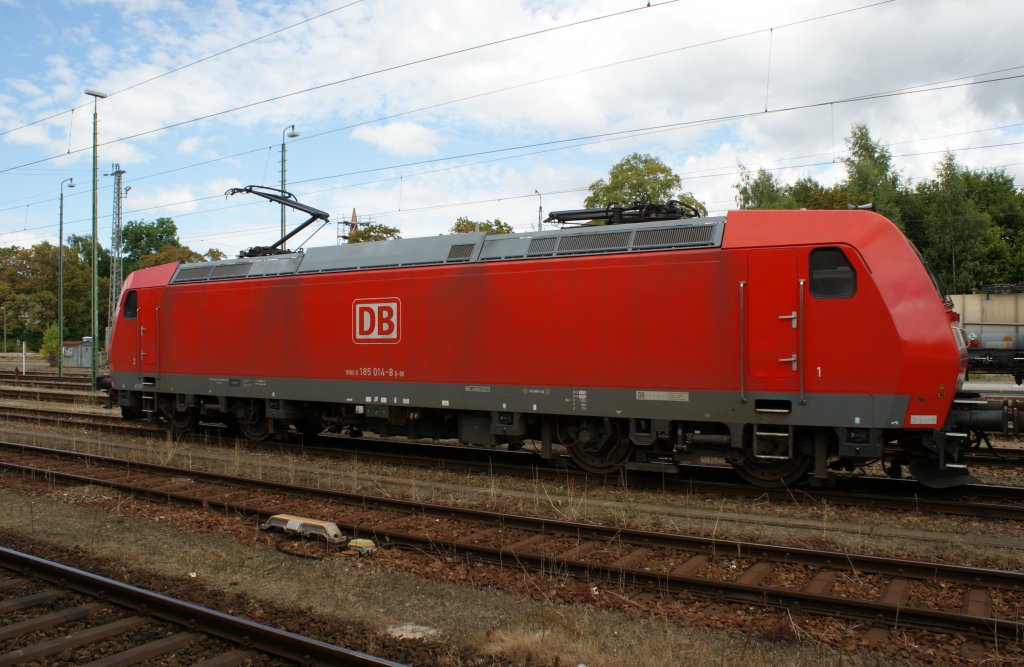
<point x="376" y="320"/>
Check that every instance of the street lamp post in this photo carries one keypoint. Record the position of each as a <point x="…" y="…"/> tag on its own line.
<point x="4" y="308"/>
<point x="96" y="96"/>
<point x="540" y="210"/>
<point x="60" y="282"/>
<point x="291" y="134"/>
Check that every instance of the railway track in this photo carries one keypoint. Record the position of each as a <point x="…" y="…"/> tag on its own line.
<point x="38" y="380"/>
<point x="51" y="612"/>
<point x="983" y="501"/>
<point x="64" y="418"/>
<point x="885" y="592"/>
<point x="62" y="396"/>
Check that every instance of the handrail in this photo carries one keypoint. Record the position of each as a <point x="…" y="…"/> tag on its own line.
<point x="743" y="337"/>
<point x="800" y="350"/>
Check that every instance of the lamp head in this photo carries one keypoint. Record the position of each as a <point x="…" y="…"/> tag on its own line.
<point x="71" y="182"/>
<point x="95" y="93"/>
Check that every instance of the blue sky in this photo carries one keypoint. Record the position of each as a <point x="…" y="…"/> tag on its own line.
<point x="417" y="113"/>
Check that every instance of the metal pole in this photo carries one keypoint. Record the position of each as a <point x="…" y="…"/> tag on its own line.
<point x="4" y="308"/>
<point x="60" y="282"/>
<point x="284" y="227"/>
<point x="95" y="231"/>
<point x="291" y="133"/>
<point x="540" y="210"/>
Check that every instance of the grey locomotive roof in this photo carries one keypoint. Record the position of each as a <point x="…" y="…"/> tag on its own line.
<point x="466" y="248"/>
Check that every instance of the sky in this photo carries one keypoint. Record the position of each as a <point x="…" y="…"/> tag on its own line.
<point x="414" y="113"/>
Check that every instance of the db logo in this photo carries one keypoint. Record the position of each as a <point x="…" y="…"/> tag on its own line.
<point x="377" y="320"/>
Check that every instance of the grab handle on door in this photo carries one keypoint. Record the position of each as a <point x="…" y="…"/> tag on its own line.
<point x="791" y="317"/>
<point x="789" y="360"/>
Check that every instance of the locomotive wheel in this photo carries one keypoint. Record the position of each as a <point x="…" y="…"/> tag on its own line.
<point x="598" y="447"/>
<point x="252" y="422"/>
<point x="181" y="421"/>
<point x="774" y="474"/>
<point x="184" y="422"/>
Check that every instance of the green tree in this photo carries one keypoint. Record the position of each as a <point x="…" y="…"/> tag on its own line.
<point x="993" y="192"/>
<point x="960" y="240"/>
<point x="373" y="231"/>
<point x="762" y="191"/>
<point x="81" y="245"/>
<point x="464" y="226"/>
<point x="153" y="243"/>
<point x="168" y="254"/>
<point x="870" y="177"/>
<point x="141" y="238"/>
<point x="968" y="224"/>
<point x="639" y="179"/>
<point x="28" y="292"/>
<point x="808" y="193"/>
<point x="51" y="346"/>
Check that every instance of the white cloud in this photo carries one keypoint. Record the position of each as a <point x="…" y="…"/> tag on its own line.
<point x="399" y="138"/>
<point x="189" y="145"/>
<point x="25" y="87"/>
<point x="148" y="203"/>
<point x="877" y="49"/>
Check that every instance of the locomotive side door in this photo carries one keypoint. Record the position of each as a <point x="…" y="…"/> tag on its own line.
<point x="773" y="314"/>
<point x="146" y="336"/>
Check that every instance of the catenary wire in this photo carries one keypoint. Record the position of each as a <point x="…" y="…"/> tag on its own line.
<point x="185" y="66"/>
<point x="356" y="77"/>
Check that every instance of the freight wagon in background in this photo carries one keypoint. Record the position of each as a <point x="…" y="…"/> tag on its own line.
<point x="993" y="323"/>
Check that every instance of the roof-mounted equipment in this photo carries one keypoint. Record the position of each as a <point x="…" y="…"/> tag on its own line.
<point x="615" y="214"/>
<point x="286" y="199"/>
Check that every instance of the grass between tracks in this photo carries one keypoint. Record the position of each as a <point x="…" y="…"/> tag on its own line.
<point x="526" y="629"/>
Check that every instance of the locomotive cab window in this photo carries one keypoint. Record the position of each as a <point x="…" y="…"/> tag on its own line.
<point x="831" y="274"/>
<point x="131" y="305"/>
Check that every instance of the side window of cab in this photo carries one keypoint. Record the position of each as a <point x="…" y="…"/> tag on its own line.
<point x="831" y="274"/>
<point x="131" y="305"/>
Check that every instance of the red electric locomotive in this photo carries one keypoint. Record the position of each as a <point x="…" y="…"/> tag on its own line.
<point x="789" y="343"/>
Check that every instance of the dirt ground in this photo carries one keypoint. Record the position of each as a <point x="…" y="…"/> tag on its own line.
<point x="429" y="610"/>
<point x="365" y="605"/>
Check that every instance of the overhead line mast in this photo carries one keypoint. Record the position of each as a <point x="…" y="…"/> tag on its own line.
<point x="116" y="241"/>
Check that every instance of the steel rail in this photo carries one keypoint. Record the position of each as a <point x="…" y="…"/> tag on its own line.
<point x="731" y="591"/>
<point x="862" y="563"/>
<point x="869" y="492"/>
<point x="954" y="506"/>
<point x="259" y="637"/>
<point x="51" y="395"/>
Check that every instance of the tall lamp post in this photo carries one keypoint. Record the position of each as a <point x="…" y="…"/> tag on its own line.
<point x="4" y="308"/>
<point x="60" y="282"/>
<point x="540" y="210"/>
<point x="291" y="134"/>
<point x="96" y="96"/>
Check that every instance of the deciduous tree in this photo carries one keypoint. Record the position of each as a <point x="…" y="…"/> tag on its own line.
<point x="464" y="226"/>
<point x="373" y="232"/>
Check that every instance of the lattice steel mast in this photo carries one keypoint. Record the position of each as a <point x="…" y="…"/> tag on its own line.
<point x="116" y="264"/>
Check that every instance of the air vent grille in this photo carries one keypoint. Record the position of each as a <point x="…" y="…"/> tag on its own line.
<point x="593" y="242"/>
<point x="461" y="252"/>
<point x="231" y="270"/>
<point x="674" y="236"/>
<point x="544" y="245"/>
<point x="193" y="274"/>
